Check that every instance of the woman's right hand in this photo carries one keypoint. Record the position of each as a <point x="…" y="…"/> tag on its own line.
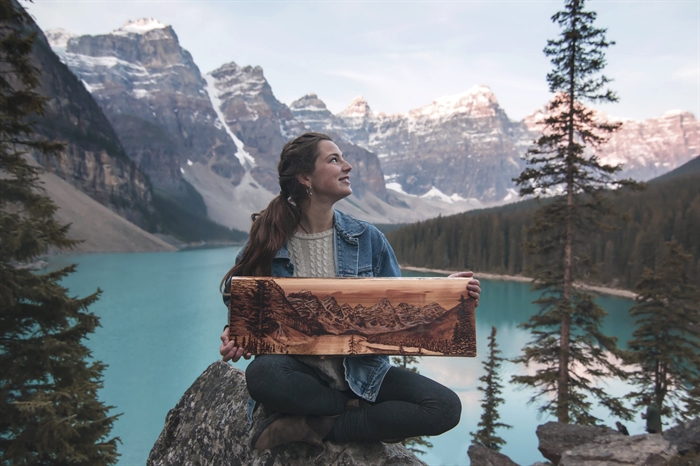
<point x="228" y="351"/>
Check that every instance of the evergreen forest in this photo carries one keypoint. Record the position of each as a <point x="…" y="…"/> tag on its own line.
<point x="490" y="240"/>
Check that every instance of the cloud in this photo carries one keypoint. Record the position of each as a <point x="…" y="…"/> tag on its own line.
<point x="457" y="373"/>
<point x="689" y="74"/>
<point x="403" y="55"/>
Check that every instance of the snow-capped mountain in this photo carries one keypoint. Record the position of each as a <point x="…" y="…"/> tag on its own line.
<point x="155" y="97"/>
<point x="93" y="160"/>
<point x="456" y="148"/>
<point x="251" y="113"/>
<point x="652" y="147"/>
<point x="465" y="146"/>
<point x="260" y="124"/>
<point x="222" y="133"/>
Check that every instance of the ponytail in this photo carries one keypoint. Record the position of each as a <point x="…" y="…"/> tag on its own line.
<point x="273" y="227"/>
<point x="270" y="231"/>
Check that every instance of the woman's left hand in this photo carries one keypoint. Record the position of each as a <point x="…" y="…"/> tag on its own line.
<point x="473" y="288"/>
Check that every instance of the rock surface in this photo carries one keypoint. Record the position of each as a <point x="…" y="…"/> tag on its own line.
<point x="458" y="147"/>
<point x="155" y="97"/>
<point x="208" y="427"/>
<point x="685" y="437"/>
<point x="94" y="160"/>
<point x="556" y="438"/>
<point x="636" y="450"/>
<point x="105" y="231"/>
<point x="465" y="146"/>
<point x="482" y="456"/>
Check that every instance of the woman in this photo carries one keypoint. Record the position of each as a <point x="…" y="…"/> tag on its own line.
<point x="359" y="398"/>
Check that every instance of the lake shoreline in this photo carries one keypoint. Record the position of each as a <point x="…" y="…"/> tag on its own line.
<point x="618" y="292"/>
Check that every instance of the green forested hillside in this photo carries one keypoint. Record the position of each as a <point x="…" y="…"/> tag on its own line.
<point x="490" y="240"/>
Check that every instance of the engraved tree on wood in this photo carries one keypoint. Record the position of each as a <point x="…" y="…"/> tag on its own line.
<point x="464" y="328"/>
<point x="352" y="345"/>
<point x="260" y="320"/>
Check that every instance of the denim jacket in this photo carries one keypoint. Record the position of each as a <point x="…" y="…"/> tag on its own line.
<point x="360" y="251"/>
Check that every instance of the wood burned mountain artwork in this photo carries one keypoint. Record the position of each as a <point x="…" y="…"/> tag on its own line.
<point x="346" y="316"/>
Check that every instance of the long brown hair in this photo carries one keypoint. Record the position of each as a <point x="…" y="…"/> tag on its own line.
<point x="277" y="223"/>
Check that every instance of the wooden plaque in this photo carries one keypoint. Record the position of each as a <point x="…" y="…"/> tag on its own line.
<point x="345" y="316"/>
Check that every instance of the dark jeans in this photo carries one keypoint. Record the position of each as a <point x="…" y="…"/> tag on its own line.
<point x="408" y="404"/>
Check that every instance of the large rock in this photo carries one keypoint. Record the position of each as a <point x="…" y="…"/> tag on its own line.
<point x="208" y="427"/>
<point x="556" y="438"/>
<point x="637" y="450"/>
<point x="482" y="456"/>
<point x="686" y="436"/>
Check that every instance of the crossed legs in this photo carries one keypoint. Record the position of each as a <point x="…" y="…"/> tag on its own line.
<point x="408" y="404"/>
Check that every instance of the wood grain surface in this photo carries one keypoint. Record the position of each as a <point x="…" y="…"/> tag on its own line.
<point x="347" y="316"/>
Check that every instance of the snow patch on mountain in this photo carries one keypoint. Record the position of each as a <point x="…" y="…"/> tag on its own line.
<point x="477" y="97"/>
<point x="435" y="193"/>
<point x="137" y="79"/>
<point x="512" y="195"/>
<point x="58" y="38"/>
<point x="673" y="113"/>
<point x="139" y="26"/>
<point x="394" y="186"/>
<point x="244" y="80"/>
<point x="244" y="157"/>
<point x="358" y="108"/>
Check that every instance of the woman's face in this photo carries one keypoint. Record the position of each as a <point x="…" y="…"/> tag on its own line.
<point x="331" y="177"/>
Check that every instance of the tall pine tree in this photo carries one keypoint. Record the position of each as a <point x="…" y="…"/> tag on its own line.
<point x="49" y="409"/>
<point x="492" y="388"/>
<point x="666" y="342"/>
<point x="568" y="348"/>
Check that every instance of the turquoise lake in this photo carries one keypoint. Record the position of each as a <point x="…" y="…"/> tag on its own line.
<point x="162" y="314"/>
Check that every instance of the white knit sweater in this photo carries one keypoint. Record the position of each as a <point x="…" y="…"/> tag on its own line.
<point x="313" y="255"/>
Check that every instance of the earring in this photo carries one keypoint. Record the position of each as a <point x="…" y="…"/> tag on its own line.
<point x="308" y="191"/>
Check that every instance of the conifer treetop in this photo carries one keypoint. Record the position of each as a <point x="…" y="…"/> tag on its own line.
<point x="578" y="55"/>
<point x="491" y="389"/>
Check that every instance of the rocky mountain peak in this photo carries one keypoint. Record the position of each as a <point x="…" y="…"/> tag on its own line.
<point x="232" y="79"/>
<point x="137" y="44"/>
<point x="313" y="112"/>
<point x="674" y="113"/>
<point x="645" y="149"/>
<point x="58" y="38"/>
<point x="309" y="102"/>
<point x="478" y="101"/>
<point x="156" y="99"/>
<point x="357" y="108"/>
<point x="140" y="26"/>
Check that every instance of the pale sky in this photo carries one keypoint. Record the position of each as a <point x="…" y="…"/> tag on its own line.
<point x="402" y="55"/>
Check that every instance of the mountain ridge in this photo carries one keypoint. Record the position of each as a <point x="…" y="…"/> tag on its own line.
<point x="455" y="154"/>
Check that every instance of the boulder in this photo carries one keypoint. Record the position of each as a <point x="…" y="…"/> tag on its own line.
<point x="482" y="456"/>
<point x="556" y="438"/>
<point x="686" y="436"/>
<point x="208" y="426"/>
<point x="621" y="450"/>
